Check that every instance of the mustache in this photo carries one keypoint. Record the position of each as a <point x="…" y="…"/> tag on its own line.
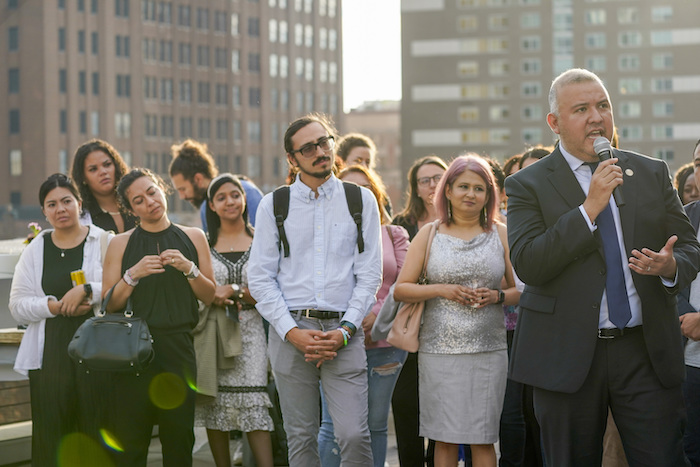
<point x="321" y="160"/>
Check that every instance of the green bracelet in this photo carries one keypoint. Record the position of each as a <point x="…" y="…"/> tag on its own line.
<point x="346" y="335"/>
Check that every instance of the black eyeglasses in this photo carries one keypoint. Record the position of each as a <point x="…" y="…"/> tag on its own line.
<point x="309" y="150"/>
<point x="425" y="181"/>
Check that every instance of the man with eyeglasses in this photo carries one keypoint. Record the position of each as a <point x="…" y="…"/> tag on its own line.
<point x="316" y="298"/>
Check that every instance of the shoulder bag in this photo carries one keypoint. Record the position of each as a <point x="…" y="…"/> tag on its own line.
<point x="406" y="326"/>
<point x="116" y="342"/>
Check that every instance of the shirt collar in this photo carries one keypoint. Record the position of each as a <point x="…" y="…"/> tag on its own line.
<point x="574" y="162"/>
<point x="327" y="189"/>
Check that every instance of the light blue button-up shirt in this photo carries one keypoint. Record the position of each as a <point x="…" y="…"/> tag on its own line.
<point x="324" y="270"/>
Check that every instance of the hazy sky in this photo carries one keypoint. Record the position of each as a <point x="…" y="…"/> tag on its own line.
<point x="371" y="51"/>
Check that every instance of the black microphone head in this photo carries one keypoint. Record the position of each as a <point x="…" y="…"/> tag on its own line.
<point x="601" y="144"/>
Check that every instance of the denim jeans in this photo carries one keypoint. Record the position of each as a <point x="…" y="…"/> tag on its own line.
<point x="381" y="387"/>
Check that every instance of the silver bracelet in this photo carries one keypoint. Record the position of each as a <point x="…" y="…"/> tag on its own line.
<point x="130" y="281"/>
<point x="194" y="272"/>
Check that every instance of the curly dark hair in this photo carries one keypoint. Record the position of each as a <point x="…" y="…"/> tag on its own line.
<point x="78" y="169"/>
<point x="213" y="219"/>
<point x="192" y="157"/>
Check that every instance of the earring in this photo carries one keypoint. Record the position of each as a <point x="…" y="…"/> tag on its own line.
<point x="449" y="209"/>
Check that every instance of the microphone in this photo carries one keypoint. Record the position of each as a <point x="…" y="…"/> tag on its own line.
<point x="604" y="150"/>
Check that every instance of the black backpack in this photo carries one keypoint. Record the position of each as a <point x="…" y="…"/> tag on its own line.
<point x="280" y="202"/>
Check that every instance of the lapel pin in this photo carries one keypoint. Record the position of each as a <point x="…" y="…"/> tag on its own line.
<point x="629" y="172"/>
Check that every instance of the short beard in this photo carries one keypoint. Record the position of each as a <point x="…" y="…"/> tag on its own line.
<point x="200" y="195"/>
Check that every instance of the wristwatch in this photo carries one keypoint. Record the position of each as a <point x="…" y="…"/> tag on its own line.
<point x="501" y="296"/>
<point x="237" y="291"/>
<point x="88" y="290"/>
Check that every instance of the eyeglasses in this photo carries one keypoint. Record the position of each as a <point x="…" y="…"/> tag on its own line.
<point x="425" y="181"/>
<point x="309" y="150"/>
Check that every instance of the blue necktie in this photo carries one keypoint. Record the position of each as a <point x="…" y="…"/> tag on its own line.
<point x="619" y="311"/>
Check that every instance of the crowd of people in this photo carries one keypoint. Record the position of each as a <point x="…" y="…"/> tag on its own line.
<point x="550" y="304"/>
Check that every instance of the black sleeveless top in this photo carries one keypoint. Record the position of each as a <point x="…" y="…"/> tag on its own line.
<point x="166" y="300"/>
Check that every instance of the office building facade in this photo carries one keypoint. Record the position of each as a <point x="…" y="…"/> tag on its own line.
<point x="476" y="73"/>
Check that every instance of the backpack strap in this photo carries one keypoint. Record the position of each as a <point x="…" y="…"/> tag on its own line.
<point x="354" y="199"/>
<point x="280" y="203"/>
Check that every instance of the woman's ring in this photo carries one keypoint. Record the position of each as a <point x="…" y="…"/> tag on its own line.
<point x="648" y="268"/>
<point x="172" y="260"/>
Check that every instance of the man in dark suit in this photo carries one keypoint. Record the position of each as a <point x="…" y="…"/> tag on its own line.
<point x="598" y="326"/>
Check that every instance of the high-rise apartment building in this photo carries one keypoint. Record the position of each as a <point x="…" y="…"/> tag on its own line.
<point x="476" y="73"/>
<point x="143" y="74"/>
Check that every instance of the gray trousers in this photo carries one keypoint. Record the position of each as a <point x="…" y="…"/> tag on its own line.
<point x="344" y="381"/>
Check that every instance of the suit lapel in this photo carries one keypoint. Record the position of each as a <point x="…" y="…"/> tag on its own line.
<point x="564" y="181"/>
<point x="628" y="212"/>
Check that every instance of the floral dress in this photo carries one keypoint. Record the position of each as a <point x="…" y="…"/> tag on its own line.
<point x="242" y="402"/>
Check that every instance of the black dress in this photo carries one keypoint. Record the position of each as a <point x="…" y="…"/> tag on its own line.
<point x="105" y="221"/>
<point x="66" y="401"/>
<point x="164" y="393"/>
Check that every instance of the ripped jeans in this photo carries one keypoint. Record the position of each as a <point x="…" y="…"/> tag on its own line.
<point x="381" y="387"/>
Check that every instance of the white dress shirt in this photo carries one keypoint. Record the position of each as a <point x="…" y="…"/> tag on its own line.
<point x="324" y="270"/>
<point x="30" y="305"/>
<point x="583" y="175"/>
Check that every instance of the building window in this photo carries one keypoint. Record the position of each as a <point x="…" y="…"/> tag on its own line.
<point x="14" y="121"/>
<point x="13" y="39"/>
<point x="532" y="112"/>
<point x="662" y="132"/>
<point x="122" y="125"/>
<point x="165" y="13"/>
<point x="221" y="94"/>
<point x="186" y="92"/>
<point x="63" y="121"/>
<point x="15" y="170"/>
<point x="123" y="85"/>
<point x="332" y="39"/>
<point x="274" y="98"/>
<point x="237" y="133"/>
<point x="93" y="6"/>
<point x="122" y="46"/>
<point x="662" y="108"/>
<point x="220" y="21"/>
<point x="203" y="89"/>
<point x="662" y="61"/>
<point x="81" y="42"/>
<point x="629" y="39"/>
<point x="595" y="17"/>
<point x="61" y="40"/>
<point x="148" y="10"/>
<point x="13" y="81"/>
<point x="298" y="34"/>
<point x="95" y="84"/>
<point x="234" y="24"/>
<point x="203" y="56"/>
<point x="95" y="123"/>
<point x="236" y="96"/>
<point x="531" y="66"/>
<point x="333" y="72"/>
<point x="202" y="19"/>
<point x="661" y="14"/>
<point x="630" y="109"/>
<point x="309" y="70"/>
<point x="121" y="8"/>
<point x="235" y="61"/>
<point x="665" y="154"/>
<point x="272" y="30"/>
<point x="254" y="132"/>
<point x="184" y="16"/>
<point x="82" y="122"/>
<point x="150" y="85"/>
<point x="82" y="82"/>
<point x="628" y="15"/>
<point x="254" y="27"/>
<point x="273" y="65"/>
<point x="166" y="90"/>
<point x="254" y="62"/>
<point x="308" y="36"/>
<point x="150" y="125"/>
<point x="531" y="43"/>
<point x="630" y="86"/>
<point x="81" y="5"/>
<point x="220" y="54"/>
<point x="61" y="4"/>
<point x="222" y="129"/>
<point x="596" y="63"/>
<point x="284" y="66"/>
<point x="185" y="54"/>
<point x="185" y="127"/>
<point x="530" y="20"/>
<point x="283" y="32"/>
<point x="63" y="161"/>
<point x="662" y="85"/>
<point x="323" y="71"/>
<point x="628" y="62"/>
<point x="166" y="51"/>
<point x="531" y="89"/>
<point x="284" y="99"/>
<point x="661" y="38"/>
<point x="204" y="128"/>
<point x="94" y="43"/>
<point x="254" y="97"/>
<point x="167" y="126"/>
<point x="595" y="40"/>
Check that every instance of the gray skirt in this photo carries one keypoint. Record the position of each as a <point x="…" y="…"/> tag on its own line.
<point x="461" y="396"/>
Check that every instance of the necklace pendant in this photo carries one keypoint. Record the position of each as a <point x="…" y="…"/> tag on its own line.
<point x="63" y="253"/>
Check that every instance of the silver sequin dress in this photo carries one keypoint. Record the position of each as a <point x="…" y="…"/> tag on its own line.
<point x="241" y="402"/>
<point x="462" y="359"/>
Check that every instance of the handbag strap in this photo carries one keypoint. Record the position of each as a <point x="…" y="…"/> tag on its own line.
<point x="128" y="311"/>
<point x="433" y="230"/>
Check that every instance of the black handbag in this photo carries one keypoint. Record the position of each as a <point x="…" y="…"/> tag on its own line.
<point x="116" y="342"/>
